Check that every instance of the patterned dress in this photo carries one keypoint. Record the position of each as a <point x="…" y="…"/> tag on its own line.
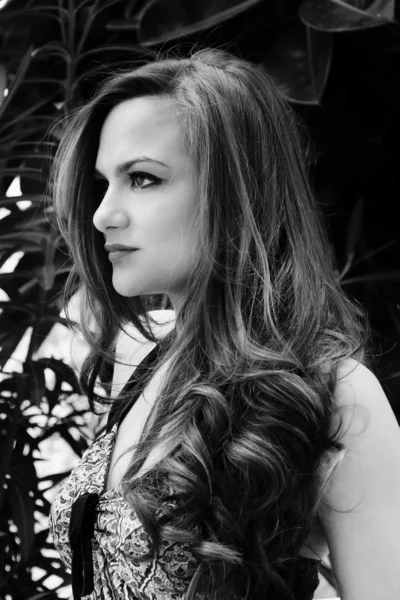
<point x="100" y="538"/>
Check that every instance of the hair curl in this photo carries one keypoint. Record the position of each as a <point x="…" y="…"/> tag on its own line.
<point x="246" y="408"/>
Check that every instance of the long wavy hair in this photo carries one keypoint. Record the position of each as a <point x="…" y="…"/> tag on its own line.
<point x="246" y="408"/>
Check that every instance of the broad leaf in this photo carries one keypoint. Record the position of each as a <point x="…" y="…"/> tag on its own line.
<point x="63" y="370"/>
<point x="4" y="277"/>
<point x="346" y="15"/>
<point x="299" y="61"/>
<point x="354" y="229"/>
<point x="22" y="507"/>
<point x="37" y="389"/>
<point x="161" y="21"/>
<point x="26" y="308"/>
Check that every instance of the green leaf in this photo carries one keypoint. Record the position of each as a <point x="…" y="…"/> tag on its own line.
<point x="160" y="21"/>
<point x="33" y="237"/>
<point x="28" y="112"/>
<point x="120" y="64"/>
<point x="64" y="371"/>
<point x="374" y="252"/>
<point x="299" y="61"/>
<point x="42" y="594"/>
<point x="26" y="155"/>
<point x="131" y="24"/>
<point x="54" y="48"/>
<point x="342" y="15"/>
<point x="3" y="83"/>
<point x="26" y="308"/>
<point x="23" y="67"/>
<point x="46" y="276"/>
<point x="54" y="319"/>
<point x="22" y="509"/>
<point x="5" y="201"/>
<point x="373" y="277"/>
<point x="37" y="391"/>
<point x="108" y="49"/>
<point x="98" y="7"/>
<point x="16" y="171"/>
<point x="354" y="230"/>
<point x="26" y="248"/>
<point x="23" y="469"/>
<point x="4" y="277"/>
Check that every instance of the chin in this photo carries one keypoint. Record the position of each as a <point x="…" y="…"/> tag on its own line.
<point x="129" y="289"/>
<point x="126" y="293"/>
<point x="129" y="292"/>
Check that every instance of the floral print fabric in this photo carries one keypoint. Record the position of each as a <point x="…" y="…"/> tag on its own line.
<point x="119" y="537"/>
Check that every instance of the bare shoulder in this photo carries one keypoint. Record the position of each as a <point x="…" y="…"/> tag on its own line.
<point x="358" y="389"/>
<point x="361" y="517"/>
<point x="356" y="382"/>
<point x="371" y="429"/>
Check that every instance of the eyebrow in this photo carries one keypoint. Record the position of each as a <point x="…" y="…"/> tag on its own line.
<point x="125" y="166"/>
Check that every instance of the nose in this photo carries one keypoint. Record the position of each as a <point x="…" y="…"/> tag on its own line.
<point x="110" y="213"/>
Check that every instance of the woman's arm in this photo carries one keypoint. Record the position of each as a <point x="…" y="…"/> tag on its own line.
<point x="364" y="543"/>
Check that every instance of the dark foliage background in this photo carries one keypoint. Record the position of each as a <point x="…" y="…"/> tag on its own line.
<point x="337" y="62"/>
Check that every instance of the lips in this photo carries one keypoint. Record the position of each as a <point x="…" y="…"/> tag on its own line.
<point x="118" y="254"/>
<point x="115" y="247"/>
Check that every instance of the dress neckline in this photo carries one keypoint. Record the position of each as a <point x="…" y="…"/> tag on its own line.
<point x="110" y="450"/>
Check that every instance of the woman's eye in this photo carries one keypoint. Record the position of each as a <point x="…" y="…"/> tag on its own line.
<point x="138" y="176"/>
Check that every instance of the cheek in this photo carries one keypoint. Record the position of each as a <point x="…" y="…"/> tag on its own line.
<point x="174" y="227"/>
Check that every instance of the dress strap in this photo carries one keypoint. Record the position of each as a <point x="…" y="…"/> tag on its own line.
<point x="83" y="512"/>
<point x="135" y="385"/>
<point x="81" y="528"/>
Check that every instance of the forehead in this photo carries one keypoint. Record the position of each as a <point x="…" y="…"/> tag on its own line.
<point x="141" y="125"/>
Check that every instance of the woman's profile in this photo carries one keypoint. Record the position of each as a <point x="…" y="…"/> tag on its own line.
<point x="250" y="439"/>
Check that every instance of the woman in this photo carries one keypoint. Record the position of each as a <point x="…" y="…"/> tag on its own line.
<point x="251" y="439"/>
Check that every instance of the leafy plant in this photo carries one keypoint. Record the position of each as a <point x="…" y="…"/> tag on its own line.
<point x="335" y="61"/>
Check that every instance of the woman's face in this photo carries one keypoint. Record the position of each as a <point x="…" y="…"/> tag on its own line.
<point x="147" y="205"/>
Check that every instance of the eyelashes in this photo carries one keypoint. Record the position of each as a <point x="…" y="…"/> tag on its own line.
<point x="142" y="174"/>
<point x="101" y="184"/>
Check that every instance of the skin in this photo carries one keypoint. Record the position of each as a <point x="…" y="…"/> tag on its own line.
<point x="154" y="215"/>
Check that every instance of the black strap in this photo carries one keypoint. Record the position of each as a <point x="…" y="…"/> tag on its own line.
<point x="83" y="510"/>
<point x="81" y="529"/>
<point x="135" y="385"/>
